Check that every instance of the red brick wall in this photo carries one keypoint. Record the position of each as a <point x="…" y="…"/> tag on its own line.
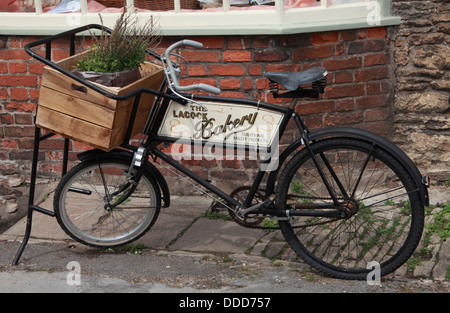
<point x="359" y="92"/>
<point x="358" y="61"/>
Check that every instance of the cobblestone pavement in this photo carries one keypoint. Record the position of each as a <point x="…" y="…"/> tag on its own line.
<point x="185" y="251"/>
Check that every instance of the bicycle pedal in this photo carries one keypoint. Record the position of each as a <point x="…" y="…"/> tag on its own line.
<point x="280" y="218"/>
<point x="216" y="207"/>
<point x="253" y="209"/>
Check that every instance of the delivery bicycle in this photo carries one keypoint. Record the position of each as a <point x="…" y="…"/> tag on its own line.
<point x="343" y="197"/>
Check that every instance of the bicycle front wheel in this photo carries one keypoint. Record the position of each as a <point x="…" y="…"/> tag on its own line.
<point x="95" y="205"/>
<point x="380" y="213"/>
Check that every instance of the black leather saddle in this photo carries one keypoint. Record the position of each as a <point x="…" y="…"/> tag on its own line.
<point x="292" y="80"/>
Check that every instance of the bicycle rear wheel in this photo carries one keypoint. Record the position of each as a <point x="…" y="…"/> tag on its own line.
<point x="93" y="203"/>
<point x="381" y="217"/>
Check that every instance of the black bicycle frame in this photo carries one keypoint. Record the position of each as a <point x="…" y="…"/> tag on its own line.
<point x="288" y="113"/>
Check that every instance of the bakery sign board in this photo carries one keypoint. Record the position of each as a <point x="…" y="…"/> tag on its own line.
<point x="229" y="124"/>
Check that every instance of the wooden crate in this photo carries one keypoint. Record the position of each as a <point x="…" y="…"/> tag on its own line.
<point x="80" y="113"/>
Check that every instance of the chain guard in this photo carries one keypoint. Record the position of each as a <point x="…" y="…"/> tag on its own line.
<point x="257" y="218"/>
<point x="253" y="220"/>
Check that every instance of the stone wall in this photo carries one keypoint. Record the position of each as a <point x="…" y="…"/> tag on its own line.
<point x="421" y="105"/>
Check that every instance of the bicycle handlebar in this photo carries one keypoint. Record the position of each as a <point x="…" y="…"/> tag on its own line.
<point x="172" y="72"/>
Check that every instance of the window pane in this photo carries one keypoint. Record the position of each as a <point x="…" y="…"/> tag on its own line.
<point x="166" y="5"/>
<point x="64" y="6"/>
<point x="214" y="4"/>
<point x="344" y="1"/>
<point x="16" y="6"/>
<point x="301" y="3"/>
<point x="51" y="6"/>
<point x="106" y="6"/>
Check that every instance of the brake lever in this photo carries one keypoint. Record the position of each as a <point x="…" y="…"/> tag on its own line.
<point x="187" y="99"/>
<point x="179" y="56"/>
<point x="170" y="83"/>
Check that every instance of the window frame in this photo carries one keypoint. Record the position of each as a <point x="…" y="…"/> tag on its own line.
<point x="274" y="21"/>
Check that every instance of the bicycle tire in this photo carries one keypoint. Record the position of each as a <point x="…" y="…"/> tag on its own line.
<point x="85" y="198"/>
<point x="384" y="214"/>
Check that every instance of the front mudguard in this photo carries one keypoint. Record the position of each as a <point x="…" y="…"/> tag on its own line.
<point x="357" y="133"/>
<point x="128" y="156"/>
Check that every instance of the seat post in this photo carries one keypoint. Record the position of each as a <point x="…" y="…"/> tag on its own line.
<point x="293" y="103"/>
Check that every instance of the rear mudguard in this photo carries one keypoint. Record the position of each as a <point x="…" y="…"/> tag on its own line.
<point x="128" y="156"/>
<point x="348" y="132"/>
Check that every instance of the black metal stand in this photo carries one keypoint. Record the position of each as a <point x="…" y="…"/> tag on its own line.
<point x="37" y="133"/>
<point x="31" y="207"/>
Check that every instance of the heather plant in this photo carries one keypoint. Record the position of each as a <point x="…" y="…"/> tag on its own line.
<point x="124" y="49"/>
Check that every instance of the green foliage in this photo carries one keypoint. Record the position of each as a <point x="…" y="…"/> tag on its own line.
<point x="124" y="49"/>
<point x="215" y="216"/>
<point x="270" y="224"/>
<point x="441" y="223"/>
<point x="299" y="189"/>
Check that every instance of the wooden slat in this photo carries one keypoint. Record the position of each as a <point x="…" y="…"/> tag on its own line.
<point x="70" y="127"/>
<point x="82" y="109"/>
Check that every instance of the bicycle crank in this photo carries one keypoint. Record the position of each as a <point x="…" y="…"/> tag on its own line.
<point x="255" y="208"/>
<point x="249" y="220"/>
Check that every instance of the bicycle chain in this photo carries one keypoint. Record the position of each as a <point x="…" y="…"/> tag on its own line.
<point x="254" y="226"/>
<point x="267" y="227"/>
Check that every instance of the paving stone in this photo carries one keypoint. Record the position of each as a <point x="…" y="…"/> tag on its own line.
<point x="217" y="235"/>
